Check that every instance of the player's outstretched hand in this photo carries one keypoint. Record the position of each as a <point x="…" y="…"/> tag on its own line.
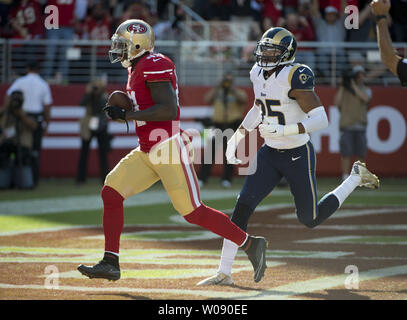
<point x="380" y="7"/>
<point x="115" y="113"/>
<point x="231" y="154"/>
<point x="231" y="148"/>
<point x="271" y="130"/>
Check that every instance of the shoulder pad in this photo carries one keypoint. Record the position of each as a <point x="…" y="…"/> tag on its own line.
<point x="301" y="77"/>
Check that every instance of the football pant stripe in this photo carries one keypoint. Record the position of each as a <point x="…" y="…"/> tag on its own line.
<point x="314" y="208"/>
<point x="194" y="195"/>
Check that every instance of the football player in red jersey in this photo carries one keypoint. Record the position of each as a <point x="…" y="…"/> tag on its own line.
<point x="27" y="20"/>
<point x="164" y="152"/>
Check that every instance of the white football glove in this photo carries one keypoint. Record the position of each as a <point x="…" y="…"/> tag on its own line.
<point x="232" y="146"/>
<point x="274" y="130"/>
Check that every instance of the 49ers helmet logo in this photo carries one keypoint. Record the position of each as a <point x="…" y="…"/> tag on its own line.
<point x="137" y="28"/>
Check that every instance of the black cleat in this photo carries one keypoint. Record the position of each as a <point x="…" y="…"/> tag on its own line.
<point x="102" y="269"/>
<point x="257" y="256"/>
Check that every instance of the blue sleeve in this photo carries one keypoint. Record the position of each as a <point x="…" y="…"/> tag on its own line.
<point x="302" y="78"/>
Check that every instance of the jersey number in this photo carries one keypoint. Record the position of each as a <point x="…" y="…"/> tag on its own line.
<point x="266" y="110"/>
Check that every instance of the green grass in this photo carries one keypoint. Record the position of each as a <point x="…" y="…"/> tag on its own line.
<point x="160" y="213"/>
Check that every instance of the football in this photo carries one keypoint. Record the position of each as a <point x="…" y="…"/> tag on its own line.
<point x="120" y="99"/>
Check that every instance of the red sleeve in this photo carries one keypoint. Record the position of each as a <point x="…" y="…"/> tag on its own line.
<point x="158" y="69"/>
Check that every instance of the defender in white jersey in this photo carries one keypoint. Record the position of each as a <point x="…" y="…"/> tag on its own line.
<point x="286" y="109"/>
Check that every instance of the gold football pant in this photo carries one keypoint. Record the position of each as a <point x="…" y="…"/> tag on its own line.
<point x="171" y="162"/>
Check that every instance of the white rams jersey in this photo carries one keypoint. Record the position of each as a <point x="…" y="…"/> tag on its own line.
<point x="275" y="106"/>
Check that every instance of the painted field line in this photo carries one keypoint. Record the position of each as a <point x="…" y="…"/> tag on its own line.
<point x="343" y="227"/>
<point x="346" y="213"/>
<point x="87" y="226"/>
<point x="169" y="259"/>
<point x="94" y="202"/>
<point x="174" y="273"/>
<point x="281" y="292"/>
<point x="168" y="292"/>
<point x="324" y="283"/>
<point x="357" y="239"/>
<point x="158" y="235"/>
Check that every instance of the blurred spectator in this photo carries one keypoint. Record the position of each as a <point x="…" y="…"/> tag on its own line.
<point x="170" y="30"/>
<point x="247" y="51"/>
<point x="37" y="104"/>
<point x="304" y="10"/>
<point x="352" y="100"/>
<point x="162" y="8"/>
<point x="65" y="31"/>
<point x="329" y="28"/>
<point x="138" y="10"/>
<point x="16" y="142"/>
<point x="272" y="12"/>
<point x="242" y="10"/>
<point x="214" y="9"/>
<point x="398" y="12"/>
<point x="97" y="26"/>
<point x="94" y="124"/>
<point x="26" y="20"/>
<point x="5" y="6"/>
<point x="228" y="103"/>
<point x="365" y="32"/>
<point x="302" y="31"/>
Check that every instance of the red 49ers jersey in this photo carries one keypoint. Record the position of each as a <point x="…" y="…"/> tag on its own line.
<point x="153" y="67"/>
<point x="29" y="16"/>
<point x="66" y="9"/>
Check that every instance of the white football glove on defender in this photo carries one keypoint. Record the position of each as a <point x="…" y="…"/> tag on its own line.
<point x="232" y="146"/>
<point x="274" y="130"/>
<point x="316" y="120"/>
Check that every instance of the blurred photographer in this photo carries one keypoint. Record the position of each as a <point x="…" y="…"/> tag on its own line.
<point x="229" y="104"/>
<point x="352" y="100"/>
<point x="16" y="141"/>
<point x="94" y="124"/>
<point x="37" y="104"/>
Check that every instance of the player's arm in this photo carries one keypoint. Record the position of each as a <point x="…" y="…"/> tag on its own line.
<point x="310" y="103"/>
<point x="165" y="104"/>
<point x="301" y="81"/>
<point x="251" y="121"/>
<point x="380" y="9"/>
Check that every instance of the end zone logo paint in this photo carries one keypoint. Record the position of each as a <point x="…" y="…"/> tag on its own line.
<point x="137" y="28"/>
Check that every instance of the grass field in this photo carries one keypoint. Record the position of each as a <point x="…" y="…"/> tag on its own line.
<point x="58" y="225"/>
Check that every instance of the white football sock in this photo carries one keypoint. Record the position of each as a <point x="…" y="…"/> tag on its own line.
<point x="346" y="188"/>
<point x="229" y="251"/>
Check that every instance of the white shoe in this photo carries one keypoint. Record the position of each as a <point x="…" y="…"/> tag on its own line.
<point x="226" y="184"/>
<point x="219" y="279"/>
<point x="368" y="179"/>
